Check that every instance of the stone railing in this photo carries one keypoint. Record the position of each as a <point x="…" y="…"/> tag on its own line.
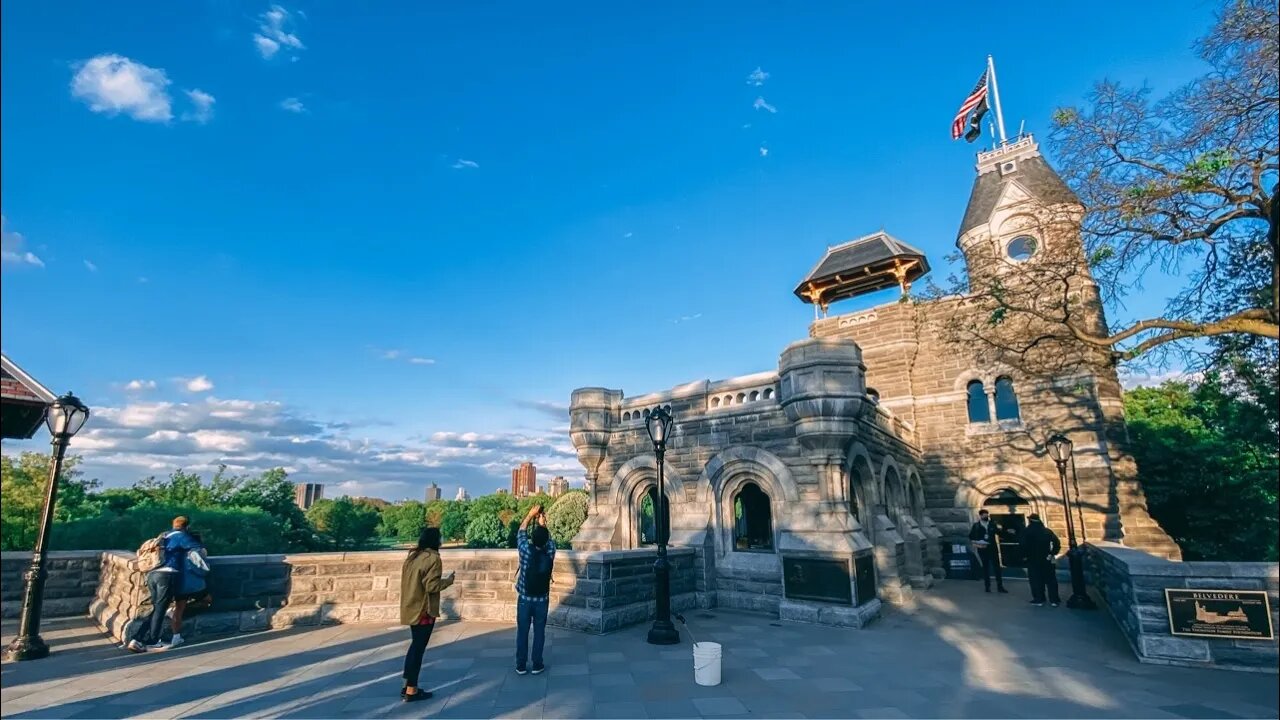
<point x="595" y="592"/>
<point x="68" y="589"/>
<point x="1132" y="584"/>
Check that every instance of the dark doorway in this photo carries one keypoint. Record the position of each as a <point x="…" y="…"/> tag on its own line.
<point x="648" y="529"/>
<point x="1009" y="513"/>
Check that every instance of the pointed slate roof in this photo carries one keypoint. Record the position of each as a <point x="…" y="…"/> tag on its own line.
<point x="870" y="263"/>
<point x="1029" y="170"/>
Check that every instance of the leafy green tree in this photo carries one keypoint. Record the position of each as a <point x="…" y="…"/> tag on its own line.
<point x="273" y="493"/>
<point x="22" y="486"/>
<point x="566" y="516"/>
<point x="403" y="521"/>
<point x="485" y="530"/>
<point x="1208" y="457"/>
<point x="344" y="523"/>
<point x="454" y="519"/>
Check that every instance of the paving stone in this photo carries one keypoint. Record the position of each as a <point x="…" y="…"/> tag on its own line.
<point x="719" y="706"/>
<point x="777" y="674"/>
<point x="620" y="710"/>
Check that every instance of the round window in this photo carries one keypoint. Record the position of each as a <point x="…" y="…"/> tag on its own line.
<point x="1021" y="248"/>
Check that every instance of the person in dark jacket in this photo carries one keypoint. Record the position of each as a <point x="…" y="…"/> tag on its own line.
<point x="983" y="536"/>
<point x="1042" y="547"/>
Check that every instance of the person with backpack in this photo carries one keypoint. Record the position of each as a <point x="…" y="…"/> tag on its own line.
<point x="164" y="559"/>
<point x="194" y="589"/>
<point x="533" y="588"/>
<point x="421" y="582"/>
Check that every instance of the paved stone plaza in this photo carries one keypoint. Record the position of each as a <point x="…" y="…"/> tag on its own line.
<point x="960" y="653"/>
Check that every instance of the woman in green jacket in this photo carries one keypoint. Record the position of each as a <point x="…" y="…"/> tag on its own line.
<point x="420" y="586"/>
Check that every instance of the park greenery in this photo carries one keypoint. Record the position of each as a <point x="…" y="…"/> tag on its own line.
<point x="245" y="514"/>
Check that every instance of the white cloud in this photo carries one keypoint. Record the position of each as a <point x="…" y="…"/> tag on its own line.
<point x="124" y="443"/>
<point x="114" y="84"/>
<point x="293" y="105"/>
<point x="13" y="248"/>
<point x="460" y="164"/>
<point x="421" y="361"/>
<point x="1132" y="378"/>
<point x="139" y="385"/>
<point x="761" y="104"/>
<point x="90" y="266"/>
<point x="764" y="151"/>
<point x="201" y="106"/>
<point x="687" y="318"/>
<point x="757" y="77"/>
<point x="391" y="355"/>
<point x="628" y="235"/>
<point x="198" y="384"/>
<point x="275" y="32"/>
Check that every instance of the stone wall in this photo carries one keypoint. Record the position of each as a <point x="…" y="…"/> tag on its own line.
<point x="594" y="592"/>
<point x="68" y="589"/>
<point x="1132" y="585"/>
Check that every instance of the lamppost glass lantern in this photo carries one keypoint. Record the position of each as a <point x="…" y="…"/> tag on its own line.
<point x="1059" y="447"/>
<point x="64" y="418"/>
<point x="658" y="422"/>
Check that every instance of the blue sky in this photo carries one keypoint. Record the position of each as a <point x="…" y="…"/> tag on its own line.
<point x="381" y="248"/>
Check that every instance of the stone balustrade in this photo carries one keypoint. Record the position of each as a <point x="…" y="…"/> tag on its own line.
<point x="68" y="589"/>
<point x="594" y="592"/>
<point x="1132" y="584"/>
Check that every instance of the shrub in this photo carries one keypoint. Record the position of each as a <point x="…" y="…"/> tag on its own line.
<point x="486" y="531"/>
<point x="565" y="517"/>
<point x="225" y="531"/>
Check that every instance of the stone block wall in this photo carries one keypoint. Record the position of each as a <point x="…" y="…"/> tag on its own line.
<point x="69" y="586"/>
<point x="1132" y="585"/>
<point x="594" y="592"/>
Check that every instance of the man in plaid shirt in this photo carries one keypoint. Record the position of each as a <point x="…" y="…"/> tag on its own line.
<point x="533" y="587"/>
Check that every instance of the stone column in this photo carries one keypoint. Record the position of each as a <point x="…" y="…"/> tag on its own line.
<point x="592" y="412"/>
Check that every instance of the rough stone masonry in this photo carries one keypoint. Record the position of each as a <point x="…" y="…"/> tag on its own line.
<point x="821" y="489"/>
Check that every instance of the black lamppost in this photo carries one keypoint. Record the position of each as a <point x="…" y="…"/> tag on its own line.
<point x="663" y="632"/>
<point x="64" y="417"/>
<point x="1059" y="447"/>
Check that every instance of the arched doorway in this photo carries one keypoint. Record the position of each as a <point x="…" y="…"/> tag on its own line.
<point x="1009" y="512"/>
<point x="647" y="520"/>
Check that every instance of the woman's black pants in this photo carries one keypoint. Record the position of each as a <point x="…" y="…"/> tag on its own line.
<point x="413" y="659"/>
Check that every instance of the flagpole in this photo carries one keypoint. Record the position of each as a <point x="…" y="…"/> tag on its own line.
<point x="995" y="92"/>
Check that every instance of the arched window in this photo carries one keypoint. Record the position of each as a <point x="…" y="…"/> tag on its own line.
<point x="855" y="482"/>
<point x="752" y="519"/>
<point x="873" y="395"/>
<point x="715" y="402"/>
<point x="742" y="397"/>
<point x="626" y="417"/>
<point x="647" y="522"/>
<point x="1006" y="400"/>
<point x="755" y="395"/>
<point x="979" y="411"/>
<point x="768" y="393"/>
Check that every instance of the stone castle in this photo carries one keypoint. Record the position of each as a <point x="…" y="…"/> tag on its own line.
<point x="847" y="476"/>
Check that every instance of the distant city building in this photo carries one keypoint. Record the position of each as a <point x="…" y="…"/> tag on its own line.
<point x="433" y="493"/>
<point x="558" y="486"/>
<point x="502" y="491"/>
<point x="306" y="494"/>
<point x="462" y="494"/>
<point x="524" y="480"/>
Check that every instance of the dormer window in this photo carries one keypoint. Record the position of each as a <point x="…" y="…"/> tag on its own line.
<point x="1021" y="248"/>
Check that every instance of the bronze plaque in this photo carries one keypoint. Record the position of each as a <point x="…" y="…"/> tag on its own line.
<point x="1232" y="614"/>
<point x="819" y="580"/>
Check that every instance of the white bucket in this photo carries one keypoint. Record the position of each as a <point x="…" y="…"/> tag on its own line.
<point x="706" y="663"/>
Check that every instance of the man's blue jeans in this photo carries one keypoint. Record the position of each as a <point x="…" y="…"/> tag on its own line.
<point x="530" y="613"/>
<point x="163" y="586"/>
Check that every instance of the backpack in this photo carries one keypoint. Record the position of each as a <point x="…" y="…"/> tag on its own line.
<point x="537" y="577"/>
<point x="150" y="554"/>
<point x="194" y="574"/>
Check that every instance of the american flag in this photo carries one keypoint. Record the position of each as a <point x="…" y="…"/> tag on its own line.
<point x="976" y="97"/>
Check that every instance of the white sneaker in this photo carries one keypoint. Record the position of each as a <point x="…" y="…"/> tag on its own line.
<point x="176" y="641"/>
<point x="135" y="646"/>
<point x="158" y="646"/>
